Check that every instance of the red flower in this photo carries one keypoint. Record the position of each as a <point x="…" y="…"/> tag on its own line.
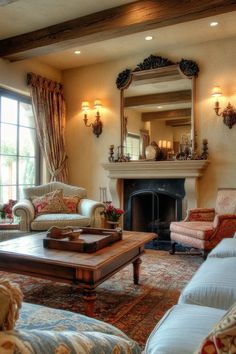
<point x="111" y="213"/>
<point x="6" y="210"/>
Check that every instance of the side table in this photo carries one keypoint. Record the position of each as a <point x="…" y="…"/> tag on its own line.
<point x="9" y="226"/>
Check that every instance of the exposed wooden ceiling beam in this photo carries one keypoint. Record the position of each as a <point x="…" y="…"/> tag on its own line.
<point x="158" y="99"/>
<point x="111" y="23"/>
<point x="175" y="113"/>
<point x="178" y="122"/>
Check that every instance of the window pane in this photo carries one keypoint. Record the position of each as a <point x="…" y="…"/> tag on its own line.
<point x="132" y="147"/>
<point x="26" y="115"/>
<point x="8" y="170"/>
<point x="8" y="110"/>
<point x="19" y="148"/>
<point x="27" y="142"/>
<point x="8" y="139"/>
<point x="20" y="190"/>
<point x="26" y="170"/>
<point x="7" y="192"/>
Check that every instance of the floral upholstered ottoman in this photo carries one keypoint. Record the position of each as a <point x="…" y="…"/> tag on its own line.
<point x="42" y="330"/>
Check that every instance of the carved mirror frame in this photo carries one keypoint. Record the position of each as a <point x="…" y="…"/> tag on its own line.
<point x="156" y="67"/>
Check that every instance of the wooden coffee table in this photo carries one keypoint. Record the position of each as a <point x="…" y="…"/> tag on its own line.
<point x="26" y="255"/>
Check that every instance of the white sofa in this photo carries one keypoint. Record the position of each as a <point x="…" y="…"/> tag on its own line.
<point x="202" y="303"/>
<point x="88" y="211"/>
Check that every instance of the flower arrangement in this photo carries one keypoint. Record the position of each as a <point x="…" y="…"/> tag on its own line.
<point x="111" y="213"/>
<point x="6" y="209"/>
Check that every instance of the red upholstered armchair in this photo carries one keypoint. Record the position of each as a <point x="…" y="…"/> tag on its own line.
<point x="204" y="228"/>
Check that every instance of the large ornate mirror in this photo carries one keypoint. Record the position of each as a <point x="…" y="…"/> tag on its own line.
<point x="157" y="105"/>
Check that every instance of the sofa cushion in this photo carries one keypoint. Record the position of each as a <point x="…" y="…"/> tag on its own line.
<point x="214" y="284"/>
<point x="196" y="229"/>
<point x="226" y="248"/>
<point x="10" y="303"/>
<point x="71" y="203"/>
<point x="45" y="221"/>
<point x="182" y="329"/>
<point x="49" y="203"/>
<point x="222" y="338"/>
<point x="52" y="342"/>
<point x="48" y="331"/>
<point x="226" y="201"/>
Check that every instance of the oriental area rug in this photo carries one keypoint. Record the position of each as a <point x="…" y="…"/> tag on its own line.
<point x="135" y="309"/>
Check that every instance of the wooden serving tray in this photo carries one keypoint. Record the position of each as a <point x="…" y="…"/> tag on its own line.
<point x="90" y="239"/>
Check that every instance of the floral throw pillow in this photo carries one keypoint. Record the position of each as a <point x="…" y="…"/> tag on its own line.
<point x="222" y="338"/>
<point x="49" y="203"/>
<point x="71" y="203"/>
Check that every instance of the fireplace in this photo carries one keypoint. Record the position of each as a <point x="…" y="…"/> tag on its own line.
<point x="156" y="192"/>
<point x="151" y="204"/>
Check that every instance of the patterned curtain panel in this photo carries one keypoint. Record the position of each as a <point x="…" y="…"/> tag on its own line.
<point x="50" y="116"/>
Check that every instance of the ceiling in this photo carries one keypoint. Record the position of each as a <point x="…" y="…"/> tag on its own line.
<point x="22" y="16"/>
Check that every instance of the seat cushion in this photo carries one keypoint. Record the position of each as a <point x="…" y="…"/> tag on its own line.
<point x="182" y="329"/>
<point x="45" y="221"/>
<point x="198" y="229"/>
<point x="226" y="248"/>
<point x="214" y="284"/>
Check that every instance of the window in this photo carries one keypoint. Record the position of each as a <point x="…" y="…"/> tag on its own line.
<point x="19" y="150"/>
<point x="133" y="146"/>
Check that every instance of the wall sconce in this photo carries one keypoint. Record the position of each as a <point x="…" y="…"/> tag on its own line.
<point x="229" y="113"/>
<point x="97" y="124"/>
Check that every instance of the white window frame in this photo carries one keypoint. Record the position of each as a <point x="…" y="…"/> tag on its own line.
<point x="25" y="99"/>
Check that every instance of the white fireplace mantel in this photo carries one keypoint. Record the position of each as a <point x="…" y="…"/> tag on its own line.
<point x="190" y="170"/>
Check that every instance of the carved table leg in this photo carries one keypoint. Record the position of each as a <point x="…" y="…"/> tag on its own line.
<point x="89" y="296"/>
<point x="136" y="269"/>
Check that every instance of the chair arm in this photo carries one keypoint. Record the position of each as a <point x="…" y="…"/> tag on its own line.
<point x="222" y="218"/>
<point x="224" y="226"/>
<point x="90" y="208"/>
<point x="200" y="214"/>
<point x="25" y="210"/>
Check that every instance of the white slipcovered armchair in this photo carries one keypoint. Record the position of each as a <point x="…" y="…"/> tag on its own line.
<point x="87" y="211"/>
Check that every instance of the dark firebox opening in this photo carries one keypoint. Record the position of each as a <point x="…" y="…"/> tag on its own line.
<point x="151" y="205"/>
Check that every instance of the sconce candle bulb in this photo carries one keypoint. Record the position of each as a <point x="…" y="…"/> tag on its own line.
<point x="229" y="113"/>
<point x="97" y="124"/>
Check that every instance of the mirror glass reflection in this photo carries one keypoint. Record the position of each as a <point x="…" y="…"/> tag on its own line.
<point x="158" y="107"/>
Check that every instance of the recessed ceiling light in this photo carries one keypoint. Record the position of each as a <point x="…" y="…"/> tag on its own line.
<point x="214" y="24"/>
<point x="159" y="107"/>
<point x="77" y="52"/>
<point x="148" y="38"/>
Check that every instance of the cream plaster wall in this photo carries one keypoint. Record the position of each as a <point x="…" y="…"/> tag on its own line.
<point x="134" y="122"/>
<point x="160" y="131"/>
<point x="13" y="75"/>
<point x="86" y="152"/>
